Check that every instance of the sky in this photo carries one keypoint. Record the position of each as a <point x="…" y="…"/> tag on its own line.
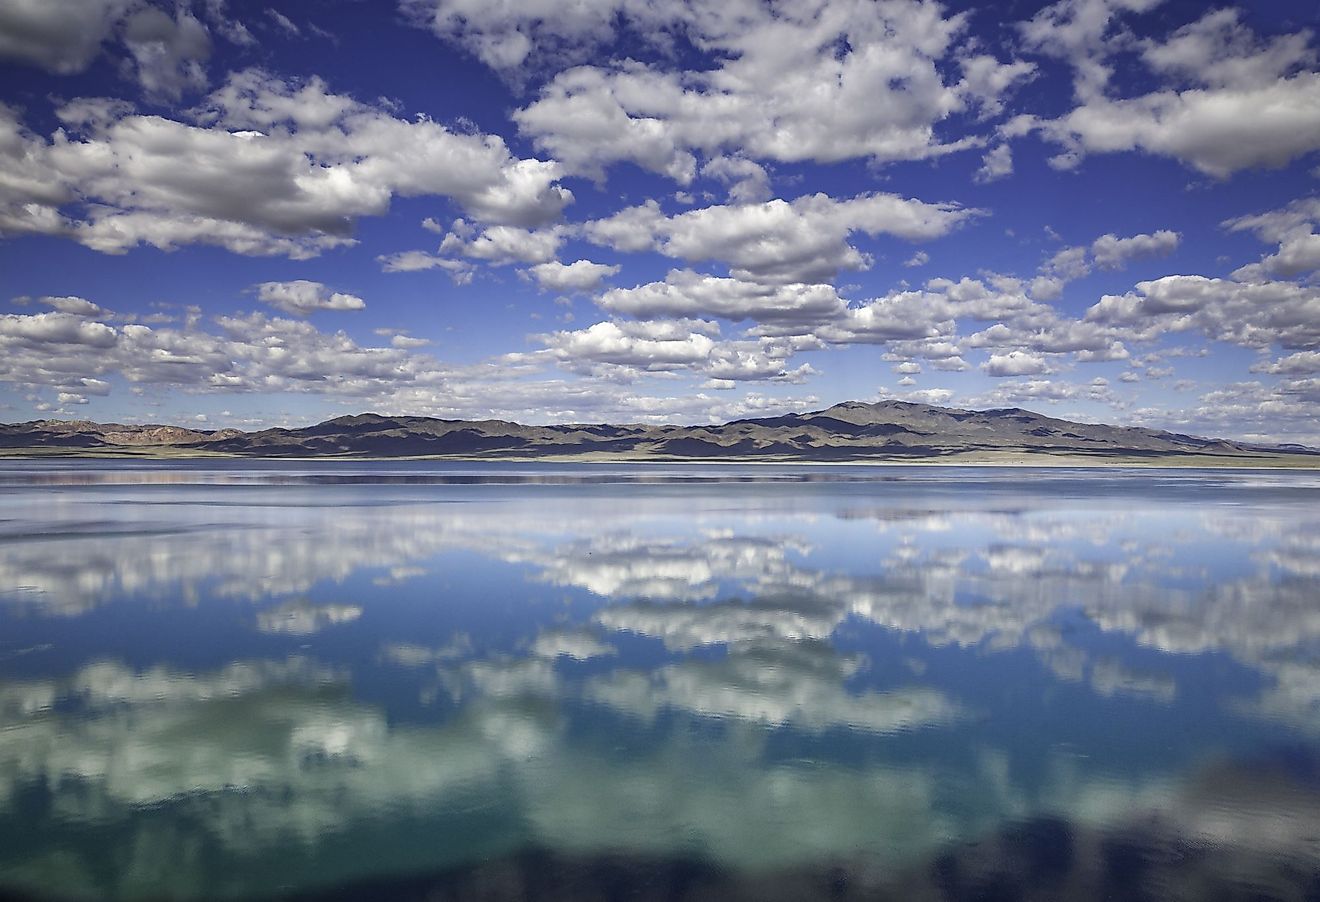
<point x="229" y="214"/>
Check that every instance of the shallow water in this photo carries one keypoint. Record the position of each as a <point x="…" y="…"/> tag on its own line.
<point x="577" y="681"/>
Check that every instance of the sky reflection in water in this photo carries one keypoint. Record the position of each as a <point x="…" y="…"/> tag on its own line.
<point x="229" y="680"/>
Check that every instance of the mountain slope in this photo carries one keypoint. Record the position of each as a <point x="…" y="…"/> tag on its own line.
<point x="849" y="431"/>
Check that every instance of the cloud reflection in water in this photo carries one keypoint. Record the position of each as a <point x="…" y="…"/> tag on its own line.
<point x="754" y="675"/>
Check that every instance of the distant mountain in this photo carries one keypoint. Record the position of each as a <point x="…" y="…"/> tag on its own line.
<point x="73" y="434"/>
<point x="852" y="430"/>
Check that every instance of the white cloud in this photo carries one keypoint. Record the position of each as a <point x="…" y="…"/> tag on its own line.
<point x="1217" y="131"/>
<point x="580" y="275"/>
<point x="1255" y="314"/>
<point x="168" y="51"/>
<point x="503" y="244"/>
<point x="74" y="305"/>
<point x="996" y="164"/>
<point x="1015" y="363"/>
<point x="901" y="316"/>
<point x="1247" y="106"/>
<point x="300" y="618"/>
<point x="1218" y="50"/>
<point x="301" y="297"/>
<point x="688" y="293"/>
<point x="268" y="167"/>
<point x="806" y="240"/>
<point x="61" y="36"/>
<point x="748" y="181"/>
<point x="813" y="81"/>
<point x="1083" y="33"/>
<point x="1302" y="363"/>
<point x="1107" y="252"/>
<point x="1294" y="228"/>
<point x="651" y="345"/>
<point x="55" y="328"/>
<point x="579" y="645"/>
<point x="505" y="36"/>
<point x="777" y="684"/>
<point x="284" y="23"/>
<point x="660" y="346"/>
<point x="420" y="261"/>
<point x="1111" y="252"/>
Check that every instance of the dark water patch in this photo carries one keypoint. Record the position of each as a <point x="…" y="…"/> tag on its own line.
<point x="1033" y="860"/>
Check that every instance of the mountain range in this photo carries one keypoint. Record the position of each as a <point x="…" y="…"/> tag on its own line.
<point x="853" y="430"/>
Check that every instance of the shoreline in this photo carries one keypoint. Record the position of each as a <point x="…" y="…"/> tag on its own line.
<point x="991" y="459"/>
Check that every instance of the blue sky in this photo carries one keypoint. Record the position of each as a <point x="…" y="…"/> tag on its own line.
<point x="231" y="214"/>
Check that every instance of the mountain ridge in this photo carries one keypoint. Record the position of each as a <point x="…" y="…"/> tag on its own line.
<point x="850" y="430"/>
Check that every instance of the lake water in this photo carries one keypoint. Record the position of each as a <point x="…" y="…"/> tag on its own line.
<point x="589" y="682"/>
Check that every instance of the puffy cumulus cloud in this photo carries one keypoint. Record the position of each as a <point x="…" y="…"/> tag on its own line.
<point x="1278" y="225"/>
<point x="805" y="240"/>
<point x="505" y="36"/>
<point x="291" y="355"/>
<point x="580" y="275"/>
<point x="74" y="305"/>
<point x="902" y="316"/>
<point x="1294" y="228"/>
<point x="747" y="180"/>
<point x="1083" y="33"/>
<point x="1090" y="341"/>
<point x="1218" y="50"/>
<point x="1046" y="391"/>
<point x="1215" y="130"/>
<point x="659" y="345"/>
<point x="1284" y="410"/>
<point x="1298" y="364"/>
<point x="58" y="328"/>
<point x="921" y="323"/>
<point x="1254" y="314"/>
<point x="1249" y="103"/>
<point x="1015" y="363"/>
<point x="163" y="46"/>
<point x="688" y="293"/>
<point x="915" y="323"/>
<point x="502" y="244"/>
<point x="61" y="36"/>
<point x="248" y="353"/>
<point x="75" y="352"/>
<point x="265" y="166"/>
<point x="814" y="81"/>
<point x="670" y="345"/>
<point x="169" y="52"/>
<point x="996" y="164"/>
<point x="1067" y="264"/>
<point x="301" y="297"/>
<point x="30" y="192"/>
<point x="1111" y="252"/>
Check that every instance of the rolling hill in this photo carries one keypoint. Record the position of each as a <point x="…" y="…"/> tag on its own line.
<point x="853" y="430"/>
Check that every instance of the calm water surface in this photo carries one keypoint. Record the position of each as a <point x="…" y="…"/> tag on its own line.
<point x="507" y="681"/>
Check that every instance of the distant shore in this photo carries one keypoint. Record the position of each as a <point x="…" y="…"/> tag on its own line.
<point x="956" y="459"/>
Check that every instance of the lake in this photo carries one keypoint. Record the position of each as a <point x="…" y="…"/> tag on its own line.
<point x="500" y="681"/>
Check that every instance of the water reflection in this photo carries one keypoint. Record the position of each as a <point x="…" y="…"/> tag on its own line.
<point x="912" y="686"/>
